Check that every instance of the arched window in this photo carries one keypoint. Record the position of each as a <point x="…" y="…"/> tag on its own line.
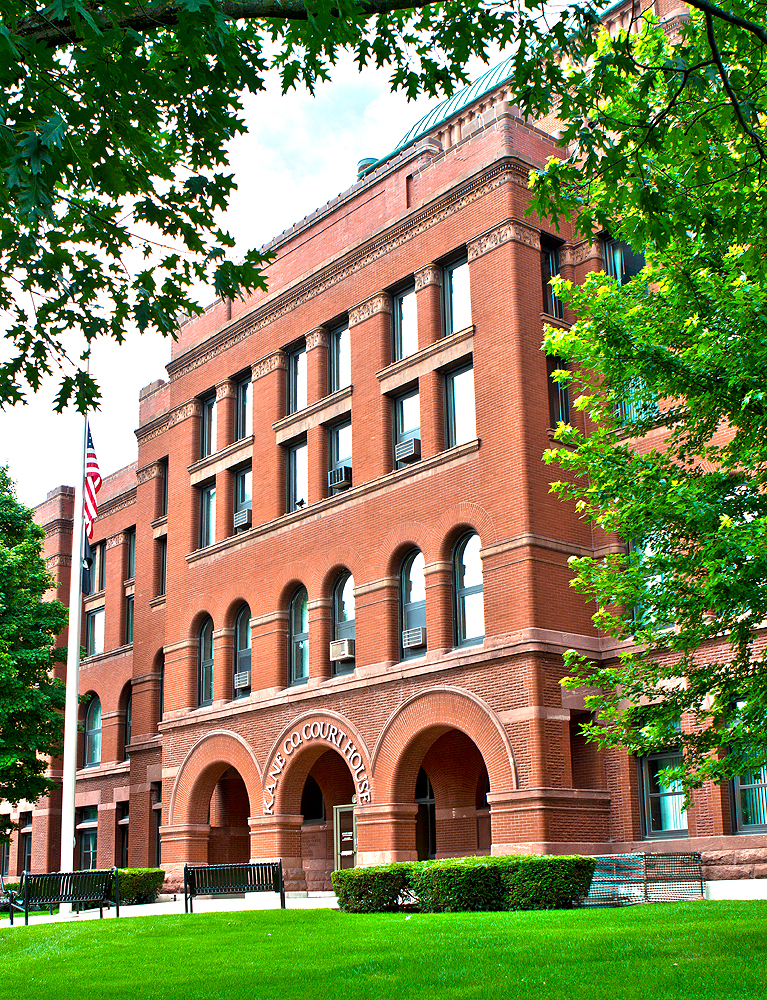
<point x="412" y="593"/>
<point x="342" y="646"/>
<point x="298" y="637"/>
<point x="242" y="653"/>
<point x="469" y="611"/>
<point x="127" y="726"/>
<point x="92" y="735"/>
<point x="205" y="665"/>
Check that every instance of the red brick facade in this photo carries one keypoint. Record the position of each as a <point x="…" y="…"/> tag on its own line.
<point x="487" y="720"/>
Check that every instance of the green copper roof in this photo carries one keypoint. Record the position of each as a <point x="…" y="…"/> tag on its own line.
<point x="449" y="107"/>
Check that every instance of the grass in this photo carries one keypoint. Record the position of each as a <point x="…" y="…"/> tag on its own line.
<point x="677" y="951"/>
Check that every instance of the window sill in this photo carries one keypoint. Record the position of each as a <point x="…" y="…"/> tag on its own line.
<point x="210" y="466"/>
<point x="442" y="352"/>
<point x="157" y="602"/>
<point x="159" y="527"/>
<point x="549" y="320"/>
<point x="328" y="408"/>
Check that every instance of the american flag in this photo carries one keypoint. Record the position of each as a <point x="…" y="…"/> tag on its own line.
<point x="92" y="485"/>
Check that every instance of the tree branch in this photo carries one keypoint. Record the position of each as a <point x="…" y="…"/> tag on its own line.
<point x="712" y="10"/>
<point x="166" y="15"/>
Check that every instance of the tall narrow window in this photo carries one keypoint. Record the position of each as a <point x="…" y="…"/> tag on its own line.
<point x="87" y="831"/>
<point x="243" y="499"/>
<point x="298" y="476"/>
<point x="98" y="570"/>
<point x="467" y="590"/>
<point x="340" y="369"/>
<point x="129" y="606"/>
<point x="456" y="296"/>
<point x="342" y="651"/>
<point x="664" y="812"/>
<point x="205" y="665"/>
<point x="751" y="800"/>
<point x="25" y="841"/>
<point x="242" y="653"/>
<point x="412" y="590"/>
<point x="128" y="725"/>
<point x="559" y="392"/>
<point x="407" y="429"/>
<point x="243" y="410"/>
<point x="94" y="632"/>
<point x="298" y="637"/>
<point x="92" y="734"/>
<point x="131" y="555"/>
<point x="550" y="269"/>
<point x="208" y="425"/>
<point x="163" y="487"/>
<point x="459" y="398"/>
<point x="207" y="515"/>
<point x="162" y="565"/>
<point x="5" y="857"/>
<point x="404" y="324"/>
<point x="426" y="818"/>
<point x="122" y="833"/>
<point x="296" y="379"/>
<point x="340" y="456"/>
<point x="161" y="692"/>
<point x="621" y="262"/>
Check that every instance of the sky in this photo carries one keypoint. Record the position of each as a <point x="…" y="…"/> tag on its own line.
<point x="299" y="152"/>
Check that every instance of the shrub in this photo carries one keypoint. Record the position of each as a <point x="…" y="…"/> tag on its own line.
<point x="140" y="885"/>
<point x="459" y="884"/>
<point x="9" y="888"/>
<point x="550" y="882"/>
<point x="378" y="889"/>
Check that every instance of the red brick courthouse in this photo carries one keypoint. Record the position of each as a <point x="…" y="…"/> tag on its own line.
<point x="331" y="598"/>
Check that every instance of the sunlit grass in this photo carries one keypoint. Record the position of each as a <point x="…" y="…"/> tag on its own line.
<point x="681" y="951"/>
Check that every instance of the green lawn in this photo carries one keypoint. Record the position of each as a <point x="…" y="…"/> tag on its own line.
<point x="676" y="951"/>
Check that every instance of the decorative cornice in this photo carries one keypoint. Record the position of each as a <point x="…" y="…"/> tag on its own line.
<point x="585" y="251"/>
<point x="121" y="538"/>
<point x="272" y="362"/>
<point x="510" y="231"/>
<point x="58" y="560"/>
<point x="126" y="499"/>
<point x="150" y="431"/>
<point x="506" y="171"/>
<point x="153" y="471"/>
<point x="378" y="303"/>
<point x="429" y="275"/>
<point x="225" y="390"/>
<point x="153" y="429"/>
<point x="317" y="338"/>
<point x="59" y="526"/>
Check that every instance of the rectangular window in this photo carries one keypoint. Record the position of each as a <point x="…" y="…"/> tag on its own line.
<point x="208" y="426"/>
<point x="99" y="567"/>
<point x="664" y="813"/>
<point x="459" y="398"/>
<point x="340" y="456"/>
<point x="298" y="476"/>
<point x="550" y="269"/>
<point x="404" y="324"/>
<point x="207" y="515"/>
<point x="621" y="262"/>
<point x="456" y="295"/>
<point x="129" y="619"/>
<point x="155" y="796"/>
<point x="296" y="380"/>
<point x="243" y="410"/>
<point x="243" y="499"/>
<point x="94" y="632"/>
<point x="162" y="565"/>
<point x="131" y="559"/>
<point x="87" y="829"/>
<point x="5" y="857"/>
<point x="751" y="800"/>
<point x="25" y="842"/>
<point x="407" y="429"/>
<point x="559" y="392"/>
<point x="340" y="370"/>
<point x="122" y="833"/>
<point x="163" y="487"/>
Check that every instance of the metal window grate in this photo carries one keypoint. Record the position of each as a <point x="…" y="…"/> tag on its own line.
<point x="625" y="879"/>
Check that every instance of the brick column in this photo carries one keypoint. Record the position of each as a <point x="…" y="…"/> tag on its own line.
<point x="370" y="333"/>
<point x="181" y="675"/>
<point x="225" y="396"/>
<point x="269" y="388"/>
<point x="224" y="505"/>
<point x="223" y="645"/>
<point x="274" y="837"/>
<point x="269" y="655"/>
<point x="114" y="604"/>
<point x="377" y="621"/>
<point x="439" y="607"/>
<point x="317" y="448"/>
<point x="428" y="292"/>
<point x="431" y="390"/>
<point x="319" y="639"/>
<point x="386" y="833"/>
<point x="316" y="365"/>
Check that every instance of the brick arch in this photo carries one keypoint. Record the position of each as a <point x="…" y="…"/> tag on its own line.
<point x="201" y="769"/>
<point x="406" y="535"/>
<point x="464" y="516"/>
<point x="196" y="623"/>
<point x="422" y="719"/>
<point x="284" y="783"/>
<point x="333" y="562"/>
<point x="233" y="610"/>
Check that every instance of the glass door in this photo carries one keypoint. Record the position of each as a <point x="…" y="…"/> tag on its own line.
<point x="345" y="836"/>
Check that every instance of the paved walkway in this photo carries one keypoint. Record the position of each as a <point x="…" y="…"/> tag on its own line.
<point x="250" y="901"/>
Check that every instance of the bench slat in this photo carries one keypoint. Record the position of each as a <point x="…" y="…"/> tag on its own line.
<point x="212" y="880"/>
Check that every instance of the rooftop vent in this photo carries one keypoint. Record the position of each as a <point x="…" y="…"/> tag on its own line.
<point x="363" y="165"/>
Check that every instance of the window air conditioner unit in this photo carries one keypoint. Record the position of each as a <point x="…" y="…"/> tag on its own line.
<point x="408" y="451"/>
<point x="413" y="638"/>
<point x="243" y="518"/>
<point x="341" y="649"/>
<point x="242" y="680"/>
<point x="341" y="478"/>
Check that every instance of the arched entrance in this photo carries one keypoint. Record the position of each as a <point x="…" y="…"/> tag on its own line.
<point x="229" y="810"/>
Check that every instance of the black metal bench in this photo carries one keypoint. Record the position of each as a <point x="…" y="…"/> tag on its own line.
<point x="220" y="880"/>
<point x="99" y="886"/>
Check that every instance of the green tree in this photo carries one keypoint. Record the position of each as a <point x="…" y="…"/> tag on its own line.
<point x="670" y="368"/>
<point x="31" y="699"/>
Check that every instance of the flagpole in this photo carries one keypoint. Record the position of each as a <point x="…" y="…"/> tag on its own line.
<point x="73" y="673"/>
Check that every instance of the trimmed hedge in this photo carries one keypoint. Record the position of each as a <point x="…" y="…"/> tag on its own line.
<point x="140" y="885"/>
<point x="378" y="889"/>
<point x="452" y="885"/>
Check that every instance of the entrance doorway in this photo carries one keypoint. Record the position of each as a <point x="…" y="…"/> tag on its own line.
<point x="345" y="836"/>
